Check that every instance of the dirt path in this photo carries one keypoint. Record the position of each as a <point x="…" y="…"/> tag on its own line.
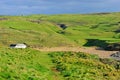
<point x="91" y="50"/>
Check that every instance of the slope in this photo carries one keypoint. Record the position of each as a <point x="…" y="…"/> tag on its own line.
<point x="20" y="30"/>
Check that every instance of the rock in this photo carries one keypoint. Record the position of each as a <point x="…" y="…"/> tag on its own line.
<point x="113" y="47"/>
<point x="116" y="55"/>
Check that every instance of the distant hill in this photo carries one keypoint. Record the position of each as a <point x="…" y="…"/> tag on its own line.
<point x="45" y="31"/>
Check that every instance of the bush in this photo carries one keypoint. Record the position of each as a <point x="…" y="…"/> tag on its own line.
<point x="82" y="66"/>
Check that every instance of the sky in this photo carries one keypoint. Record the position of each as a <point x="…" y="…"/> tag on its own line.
<point x="26" y="7"/>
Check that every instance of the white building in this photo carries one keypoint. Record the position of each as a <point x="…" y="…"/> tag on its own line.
<point x="18" y="46"/>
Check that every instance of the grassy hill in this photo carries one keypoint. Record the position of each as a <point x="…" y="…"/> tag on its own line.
<point x="42" y="30"/>
<point x="29" y="64"/>
<point x="46" y="31"/>
<point x="21" y="30"/>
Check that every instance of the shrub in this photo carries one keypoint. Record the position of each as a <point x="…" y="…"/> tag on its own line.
<point x="82" y="66"/>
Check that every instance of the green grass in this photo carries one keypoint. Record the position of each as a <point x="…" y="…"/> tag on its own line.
<point x="45" y="34"/>
<point x="25" y="64"/>
<point x="29" y="64"/>
<point x="22" y="31"/>
<point x="81" y="27"/>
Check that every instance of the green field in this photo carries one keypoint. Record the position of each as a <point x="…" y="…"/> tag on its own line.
<point x="39" y="31"/>
<point x="43" y="31"/>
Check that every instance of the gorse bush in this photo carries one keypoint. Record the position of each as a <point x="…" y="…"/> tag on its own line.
<point x="81" y="66"/>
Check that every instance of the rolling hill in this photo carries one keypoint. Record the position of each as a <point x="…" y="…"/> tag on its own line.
<point x="64" y="30"/>
<point x="44" y="31"/>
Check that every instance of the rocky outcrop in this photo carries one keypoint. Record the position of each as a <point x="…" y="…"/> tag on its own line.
<point x="113" y="47"/>
<point x="116" y="55"/>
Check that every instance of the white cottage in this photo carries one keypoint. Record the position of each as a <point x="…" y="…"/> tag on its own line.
<point x="18" y="46"/>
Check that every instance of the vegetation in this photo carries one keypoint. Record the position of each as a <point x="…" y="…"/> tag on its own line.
<point x="65" y="30"/>
<point x="24" y="64"/>
<point x="81" y="66"/>
<point x="46" y="31"/>
<point x="29" y="64"/>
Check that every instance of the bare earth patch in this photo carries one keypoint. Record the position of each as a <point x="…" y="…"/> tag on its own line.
<point x="90" y="50"/>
